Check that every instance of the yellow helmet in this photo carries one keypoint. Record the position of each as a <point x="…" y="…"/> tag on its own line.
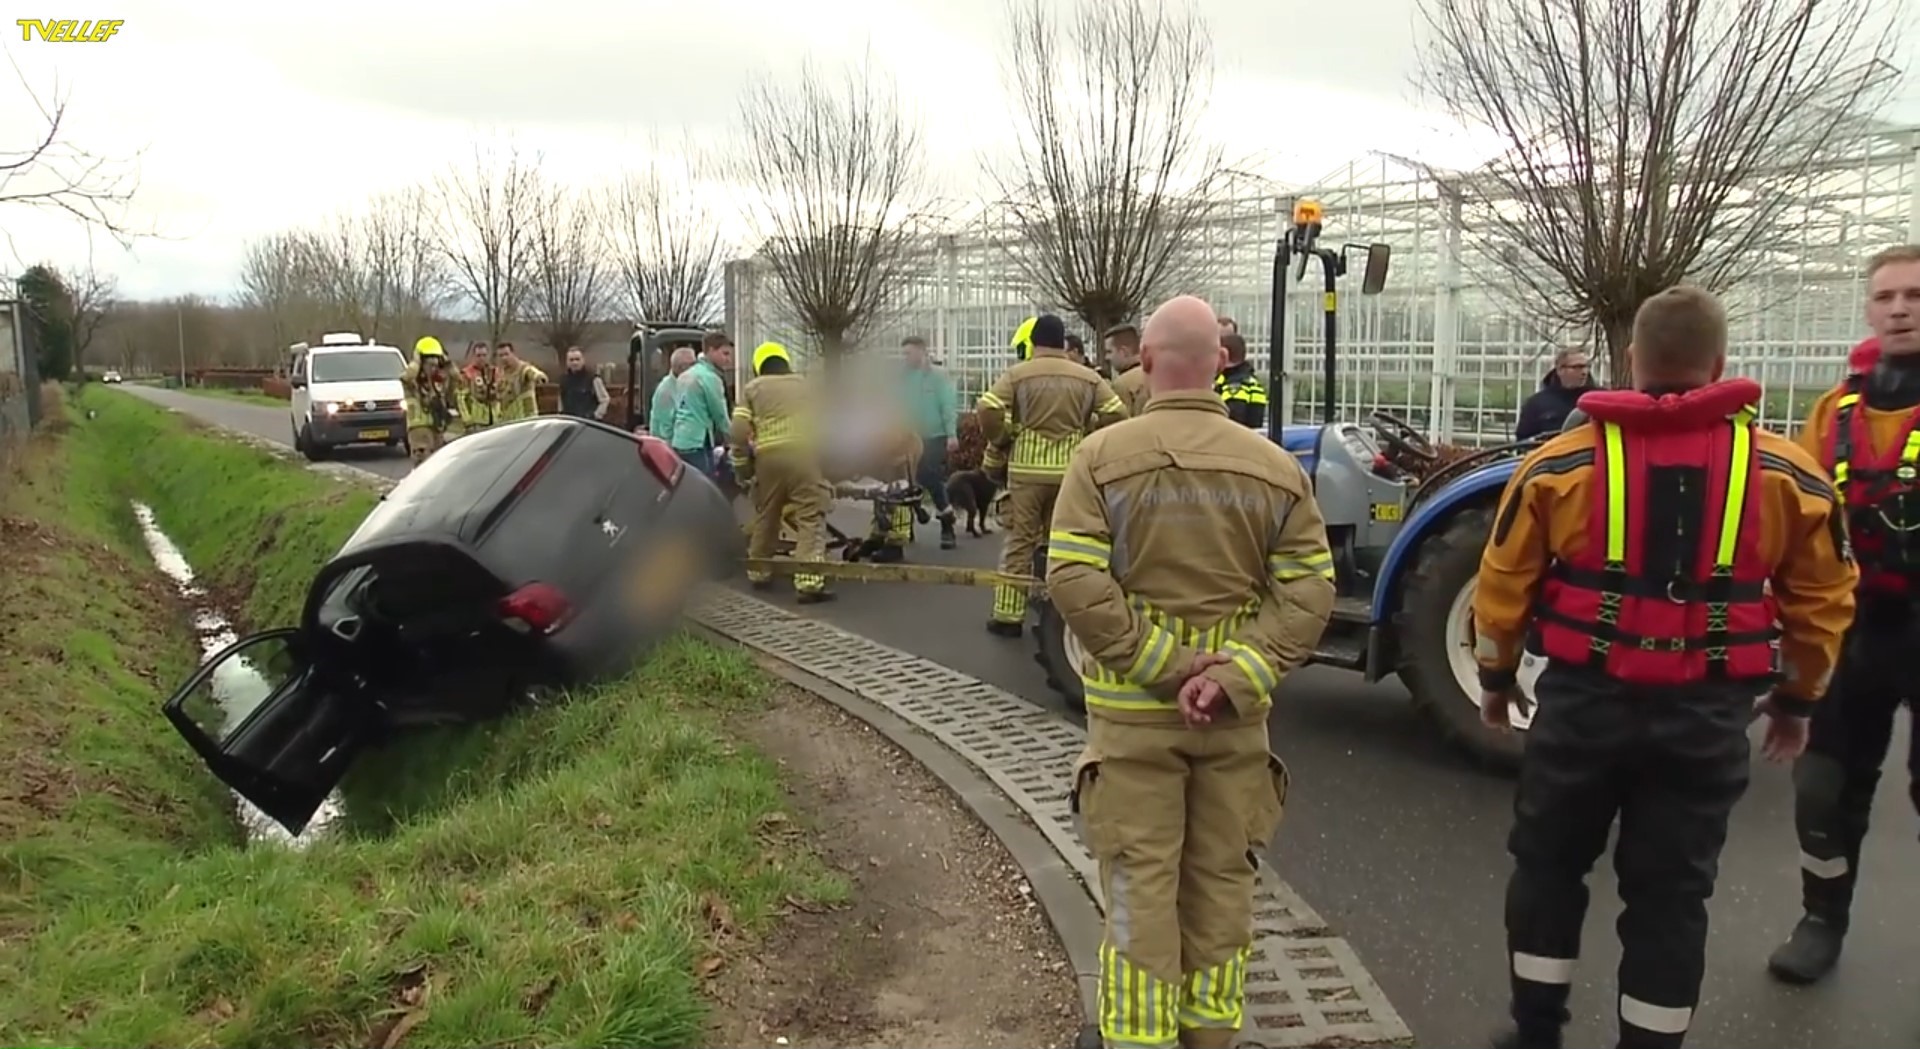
<point x="428" y="346"/>
<point x="768" y="351"/>
<point x="1023" y="338"/>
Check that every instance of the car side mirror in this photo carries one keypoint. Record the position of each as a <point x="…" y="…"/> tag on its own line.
<point x="297" y="382"/>
<point x="1375" y="278"/>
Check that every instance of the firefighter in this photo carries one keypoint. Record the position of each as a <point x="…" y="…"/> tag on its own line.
<point x="1238" y="385"/>
<point x="1123" y="352"/>
<point x="1046" y="404"/>
<point x="516" y="386"/>
<point x="1650" y="552"/>
<point x="1189" y="558"/>
<point x="1865" y="431"/>
<point x="474" y="390"/>
<point x="773" y="445"/>
<point x="431" y="399"/>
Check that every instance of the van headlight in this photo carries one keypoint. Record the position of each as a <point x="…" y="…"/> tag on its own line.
<point x="330" y="407"/>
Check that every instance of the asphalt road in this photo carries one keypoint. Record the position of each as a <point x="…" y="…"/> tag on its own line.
<point x="1400" y="844"/>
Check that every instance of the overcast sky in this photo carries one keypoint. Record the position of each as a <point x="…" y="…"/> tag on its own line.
<point x="255" y="117"/>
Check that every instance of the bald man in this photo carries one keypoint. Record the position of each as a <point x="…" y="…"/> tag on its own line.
<point x="1189" y="559"/>
<point x="666" y="396"/>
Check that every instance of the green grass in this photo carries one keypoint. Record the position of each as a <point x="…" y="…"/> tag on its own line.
<point x="243" y="396"/>
<point x="554" y="878"/>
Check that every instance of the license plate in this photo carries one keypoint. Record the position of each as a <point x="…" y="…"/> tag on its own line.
<point x="374" y="435"/>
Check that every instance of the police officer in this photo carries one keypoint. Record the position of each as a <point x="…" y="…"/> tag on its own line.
<point x="1865" y="431"/>
<point x="773" y="444"/>
<point x="1189" y="558"/>
<point x="431" y="399"/>
<point x="1238" y="385"/>
<point x="1046" y="404"/>
<point x="1123" y="353"/>
<point x="1651" y="537"/>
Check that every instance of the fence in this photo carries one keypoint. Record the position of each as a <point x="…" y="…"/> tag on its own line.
<point x="1449" y="344"/>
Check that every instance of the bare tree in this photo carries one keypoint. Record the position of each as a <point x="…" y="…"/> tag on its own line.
<point x="1115" y="196"/>
<point x="54" y="174"/>
<point x="94" y="296"/>
<point x="277" y="283"/>
<point x="571" y="277"/>
<point x="837" y="186"/>
<point x="484" y="229"/>
<point x="1649" y="143"/>
<point x="666" y="242"/>
<point x="406" y="272"/>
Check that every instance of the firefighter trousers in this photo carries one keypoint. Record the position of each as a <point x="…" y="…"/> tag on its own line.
<point x="1835" y="780"/>
<point x="1029" y="509"/>
<point x="1669" y="764"/>
<point x="1176" y="819"/>
<point x="787" y="486"/>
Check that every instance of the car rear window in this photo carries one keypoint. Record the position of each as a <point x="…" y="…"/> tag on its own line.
<point x="356" y="366"/>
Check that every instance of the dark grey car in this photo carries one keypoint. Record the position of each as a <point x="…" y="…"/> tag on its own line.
<point x="545" y="552"/>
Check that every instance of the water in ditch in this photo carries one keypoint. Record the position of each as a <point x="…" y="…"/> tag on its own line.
<point x="237" y="685"/>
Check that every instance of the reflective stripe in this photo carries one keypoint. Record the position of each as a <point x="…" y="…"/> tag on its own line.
<point x="1288" y="569"/>
<point x="1216" y="996"/>
<point x="1079" y="548"/>
<point x="1536" y="968"/>
<point x="743" y="413"/>
<point x="1116" y="690"/>
<point x="1736" y="504"/>
<point x="1136" y="1008"/>
<point x="1616" y="495"/>
<point x="1836" y="867"/>
<point x="1254" y="665"/>
<point x="990" y="400"/>
<point x="1660" y="1019"/>
<point x="1112" y="406"/>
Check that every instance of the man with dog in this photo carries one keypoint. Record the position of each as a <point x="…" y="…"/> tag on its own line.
<point x="933" y="409"/>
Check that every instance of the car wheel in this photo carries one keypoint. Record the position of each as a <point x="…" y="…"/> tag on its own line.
<point x="314" y="452"/>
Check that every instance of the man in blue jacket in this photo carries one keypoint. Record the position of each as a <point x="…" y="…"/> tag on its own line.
<point x="1545" y="412"/>
<point x="933" y="409"/>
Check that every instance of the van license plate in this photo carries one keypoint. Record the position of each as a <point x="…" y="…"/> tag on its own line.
<point x="373" y="435"/>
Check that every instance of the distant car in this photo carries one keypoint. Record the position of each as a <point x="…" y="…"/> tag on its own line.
<point x="546" y="552"/>
<point x="111" y="376"/>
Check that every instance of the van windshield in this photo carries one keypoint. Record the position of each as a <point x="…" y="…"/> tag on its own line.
<point x="356" y="365"/>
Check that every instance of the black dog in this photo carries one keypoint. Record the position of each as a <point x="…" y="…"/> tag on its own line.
<point x="971" y="492"/>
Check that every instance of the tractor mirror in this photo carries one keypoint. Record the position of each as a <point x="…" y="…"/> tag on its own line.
<point x="1376" y="276"/>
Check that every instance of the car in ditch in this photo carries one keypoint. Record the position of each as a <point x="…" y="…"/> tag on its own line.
<point x="549" y="552"/>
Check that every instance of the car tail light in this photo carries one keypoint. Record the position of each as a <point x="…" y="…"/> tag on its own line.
<point x="662" y="461"/>
<point x="537" y="608"/>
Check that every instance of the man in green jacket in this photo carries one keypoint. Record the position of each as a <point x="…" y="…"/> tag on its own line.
<point x="933" y="409"/>
<point x="701" y="419"/>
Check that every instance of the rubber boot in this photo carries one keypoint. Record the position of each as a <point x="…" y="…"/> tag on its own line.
<point x="1511" y="1038"/>
<point x="1088" y="1037"/>
<point x="814" y="597"/>
<point x="1810" y="953"/>
<point x="948" y="539"/>
<point x="996" y="627"/>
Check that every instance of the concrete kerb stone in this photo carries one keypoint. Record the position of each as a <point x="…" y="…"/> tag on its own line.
<point x="1305" y="986"/>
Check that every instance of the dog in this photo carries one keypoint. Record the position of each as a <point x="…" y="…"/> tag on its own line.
<point x="971" y="492"/>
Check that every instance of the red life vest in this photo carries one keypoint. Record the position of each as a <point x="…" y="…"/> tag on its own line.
<point x="1671" y="587"/>
<point x="1877" y="484"/>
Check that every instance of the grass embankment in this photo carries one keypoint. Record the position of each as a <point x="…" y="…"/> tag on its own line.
<point x="243" y="396"/>
<point x="557" y="878"/>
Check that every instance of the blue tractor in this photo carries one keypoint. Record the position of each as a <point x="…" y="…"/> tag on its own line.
<point x="1406" y="540"/>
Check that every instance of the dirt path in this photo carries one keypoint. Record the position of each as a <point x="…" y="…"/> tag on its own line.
<point x="942" y="945"/>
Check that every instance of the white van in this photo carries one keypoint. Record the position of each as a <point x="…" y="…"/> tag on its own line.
<point x="347" y="391"/>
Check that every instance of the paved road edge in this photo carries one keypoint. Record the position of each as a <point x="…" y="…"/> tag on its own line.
<point x="1008" y="761"/>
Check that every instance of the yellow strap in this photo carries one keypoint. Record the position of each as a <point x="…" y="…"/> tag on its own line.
<point x="1736" y="501"/>
<point x="1616" y="494"/>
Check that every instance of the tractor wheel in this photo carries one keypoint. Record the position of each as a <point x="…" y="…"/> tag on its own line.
<point x="1436" y="643"/>
<point x="1055" y="648"/>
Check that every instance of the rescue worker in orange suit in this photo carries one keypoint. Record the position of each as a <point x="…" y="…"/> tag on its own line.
<point x="1047" y="404"/>
<point x="1123" y="353"/>
<point x="1865" y="431"/>
<point x="1189" y="558"/>
<point x="1639" y="549"/>
<point x="774" y="447"/>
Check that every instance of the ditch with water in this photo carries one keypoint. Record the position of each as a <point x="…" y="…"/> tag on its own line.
<point x="236" y="686"/>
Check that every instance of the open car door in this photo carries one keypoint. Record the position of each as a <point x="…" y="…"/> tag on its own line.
<point x="272" y="726"/>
